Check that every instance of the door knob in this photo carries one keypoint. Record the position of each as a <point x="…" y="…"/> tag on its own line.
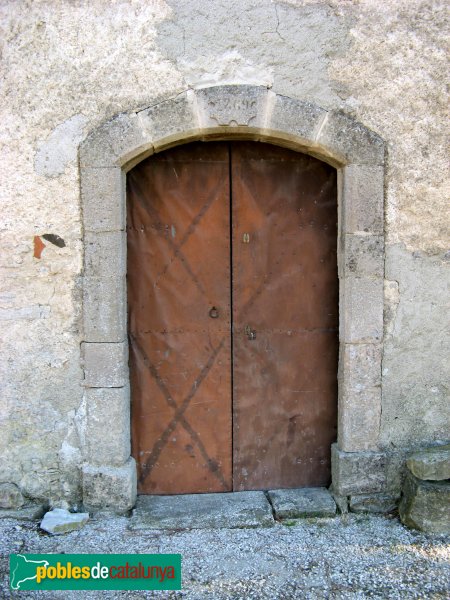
<point x="250" y="333"/>
<point x="214" y="313"/>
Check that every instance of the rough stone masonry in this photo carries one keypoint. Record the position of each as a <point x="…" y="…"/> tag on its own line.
<point x="68" y="67"/>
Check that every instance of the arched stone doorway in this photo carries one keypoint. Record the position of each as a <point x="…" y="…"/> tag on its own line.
<point x="226" y="113"/>
<point x="232" y="318"/>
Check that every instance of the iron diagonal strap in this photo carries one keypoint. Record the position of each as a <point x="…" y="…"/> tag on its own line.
<point x="178" y="417"/>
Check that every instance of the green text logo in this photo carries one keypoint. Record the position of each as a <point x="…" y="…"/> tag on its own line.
<point x="95" y="571"/>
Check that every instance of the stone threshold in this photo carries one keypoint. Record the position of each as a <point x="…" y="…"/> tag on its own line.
<point x="232" y="510"/>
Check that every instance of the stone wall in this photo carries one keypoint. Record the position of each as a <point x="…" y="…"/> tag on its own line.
<point x="69" y="66"/>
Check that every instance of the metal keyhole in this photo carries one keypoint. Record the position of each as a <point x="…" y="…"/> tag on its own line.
<point x="250" y="333"/>
<point x="214" y="313"/>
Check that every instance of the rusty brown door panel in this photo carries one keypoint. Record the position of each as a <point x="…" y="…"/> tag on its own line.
<point x="280" y="347"/>
<point x="180" y="357"/>
<point x="285" y="317"/>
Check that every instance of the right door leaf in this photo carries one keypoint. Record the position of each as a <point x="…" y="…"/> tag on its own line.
<point x="285" y="317"/>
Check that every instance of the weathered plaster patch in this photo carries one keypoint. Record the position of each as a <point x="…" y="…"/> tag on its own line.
<point x="391" y="301"/>
<point x="61" y="147"/>
<point x="393" y="78"/>
<point x="230" y="67"/>
<point x="258" y="41"/>
<point x="416" y="382"/>
<point x="24" y="313"/>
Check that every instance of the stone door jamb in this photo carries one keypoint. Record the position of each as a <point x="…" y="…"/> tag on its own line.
<point x="226" y="113"/>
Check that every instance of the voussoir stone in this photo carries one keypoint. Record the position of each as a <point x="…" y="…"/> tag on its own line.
<point x="297" y="117"/>
<point x="431" y="464"/>
<point x="115" y="142"/>
<point x="168" y="120"/>
<point x="302" y="502"/>
<point x="60" y="520"/>
<point x="349" y="140"/>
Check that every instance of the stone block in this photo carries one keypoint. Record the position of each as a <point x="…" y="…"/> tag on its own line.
<point x="10" y="496"/>
<point x="361" y="310"/>
<point x="202" y="511"/>
<point x="357" y="472"/>
<point x="359" y="418"/>
<point x="425" y="505"/>
<point x="364" y="255"/>
<point x="349" y="141"/>
<point x="431" y="464"/>
<point x="30" y="512"/>
<point x="341" y="501"/>
<point x="110" y="488"/>
<point x="107" y="426"/>
<point x="360" y="365"/>
<point x="373" y="503"/>
<point x="103" y="199"/>
<point x="297" y="117"/>
<point x="232" y="106"/>
<point x="359" y="397"/>
<point x="395" y="472"/>
<point x="104" y="309"/>
<point x="115" y="143"/>
<point x="302" y="502"/>
<point x="170" y="120"/>
<point x="59" y="521"/>
<point x="105" y="254"/>
<point x="105" y="365"/>
<point x="363" y="189"/>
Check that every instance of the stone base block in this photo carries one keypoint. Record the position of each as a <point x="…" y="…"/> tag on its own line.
<point x="357" y="472"/>
<point x="110" y="488"/>
<point x="425" y="505"/>
<point x="382" y="504"/>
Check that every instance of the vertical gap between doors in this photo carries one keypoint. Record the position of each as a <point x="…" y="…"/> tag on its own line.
<point x="230" y="180"/>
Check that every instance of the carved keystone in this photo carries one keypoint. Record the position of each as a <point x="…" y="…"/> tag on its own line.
<point x="232" y="106"/>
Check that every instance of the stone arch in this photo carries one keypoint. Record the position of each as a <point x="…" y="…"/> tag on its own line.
<point x="226" y="113"/>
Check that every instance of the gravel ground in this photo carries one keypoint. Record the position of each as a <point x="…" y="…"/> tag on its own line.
<point x="352" y="556"/>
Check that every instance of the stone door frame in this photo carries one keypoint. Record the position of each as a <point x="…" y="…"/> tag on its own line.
<point x="228" y="113"/>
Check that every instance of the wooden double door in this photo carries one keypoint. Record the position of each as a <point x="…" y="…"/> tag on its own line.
<point x="233" y="316"/>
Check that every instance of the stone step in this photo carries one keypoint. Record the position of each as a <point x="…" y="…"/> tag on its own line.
<point x="202" y="511"/>
<point x="231" y="510"/>
<point x="302" y="502"/>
